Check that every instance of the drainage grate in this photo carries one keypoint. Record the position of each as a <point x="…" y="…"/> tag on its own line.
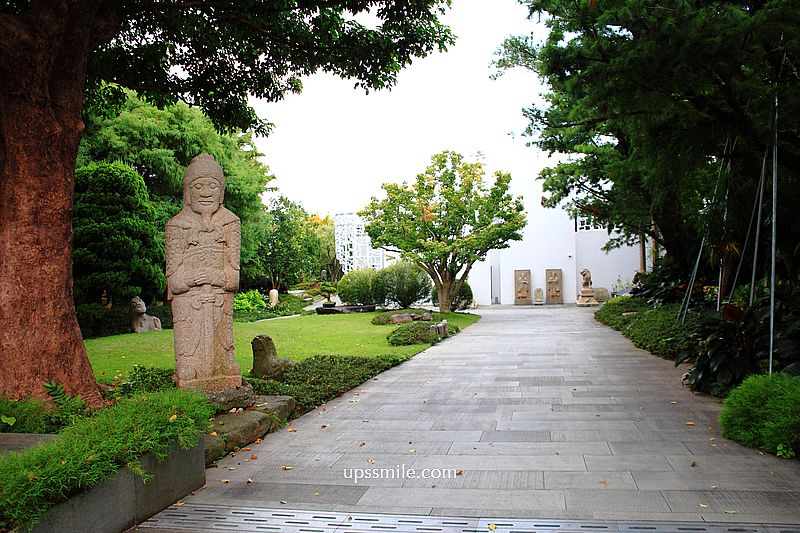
<point x="209" y="518"/>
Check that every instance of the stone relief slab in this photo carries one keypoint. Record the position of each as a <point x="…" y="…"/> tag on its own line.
<point x="522" y="287"/>
<point x="555" y="286"/>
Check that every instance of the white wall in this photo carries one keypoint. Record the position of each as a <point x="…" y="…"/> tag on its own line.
<point x="606" y="268"/>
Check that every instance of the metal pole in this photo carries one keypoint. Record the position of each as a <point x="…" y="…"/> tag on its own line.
<point x="774" y="235"/>
<point x="760" y="197"/>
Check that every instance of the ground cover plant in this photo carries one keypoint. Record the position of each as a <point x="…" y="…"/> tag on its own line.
<point x="296" y="338"/>
<point x="762" y="413"/>
<point x="92" y="449"/>
<point x="655" y="329"/>
<point x="417" y="332"/>
<point x="315" y="380"/>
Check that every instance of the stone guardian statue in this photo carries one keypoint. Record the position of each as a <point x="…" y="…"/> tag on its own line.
<point x="203" y="244"/>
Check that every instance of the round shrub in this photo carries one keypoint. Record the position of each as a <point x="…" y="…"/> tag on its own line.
<point x="361" y="287"/>
<point x="461" y="300"/>
<point x="249" y="306"/>
<point x="762" y="412"/>
<point x="412" y="333"/>
<point x="404" y="283"/>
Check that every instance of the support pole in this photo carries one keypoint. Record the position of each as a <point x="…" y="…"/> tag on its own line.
<point x="774" y="234"/>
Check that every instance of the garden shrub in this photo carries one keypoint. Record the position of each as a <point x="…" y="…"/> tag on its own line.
<point x="25" y="416"/>
<point x="656" y="330"/>
<point x="249" y="306"/>
<point x="413" y="333"/>
<point x="316" y="380"/>
<point x="142" y="379"/>
<point x="361" y="286"/>
<point x="34" y="480"/>
<point x="404" y="284"/>
<point x="611" y="313"/>
<point x="253" y="305"/>
<point x="762" y="413"/>
<point x="461" y="300"/>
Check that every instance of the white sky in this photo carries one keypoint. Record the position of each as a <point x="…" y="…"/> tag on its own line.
<point x="333" y="145"/>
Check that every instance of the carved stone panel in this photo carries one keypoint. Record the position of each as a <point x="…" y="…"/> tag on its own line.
<point x="538" y="296"/>
<point x="522" y="287"/>
<point x="555" y="286"/>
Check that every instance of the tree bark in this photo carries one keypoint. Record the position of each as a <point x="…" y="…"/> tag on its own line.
<point x="43" y="66"/>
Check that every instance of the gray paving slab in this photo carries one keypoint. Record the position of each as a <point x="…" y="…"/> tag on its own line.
<point x="540" y="413"/>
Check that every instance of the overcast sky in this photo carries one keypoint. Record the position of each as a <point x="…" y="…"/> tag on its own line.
<point x="333" y="145"/>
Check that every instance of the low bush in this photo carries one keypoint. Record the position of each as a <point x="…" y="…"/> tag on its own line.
<point x="253" y="305"/>
<point x="413" y="333"/>
<point x="142" y="379"/>
<point x="656" y="330"/>
<point x="91" y="450"/>
<point x="316" y="380"/>
<point x="25" y="416"/>
<point x="613" y="312"/>
<point x="762" y="413"/>
<point x="34" y="416"/>
<point x="361" y="286"/>
<point x="404" y="284"/>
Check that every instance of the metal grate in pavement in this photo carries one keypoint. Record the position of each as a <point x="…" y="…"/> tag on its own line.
<point x="209" y="518"/>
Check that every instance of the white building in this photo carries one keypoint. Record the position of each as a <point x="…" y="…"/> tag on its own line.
<point x="552" y="240"/>
<point x="353" y="246"/>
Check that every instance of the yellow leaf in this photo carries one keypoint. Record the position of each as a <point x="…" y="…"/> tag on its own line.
<point x="284" y="467"/>
<point x="225" y="480"/>
<point x="690" y="424"/>
<point x="492" y="527"/>
<point x="258" y="441"/>
<point x="213" y="433"/>
<point x="371" y="461"/>
<point x="291" y="430"/>
<point x="172" y="418"/>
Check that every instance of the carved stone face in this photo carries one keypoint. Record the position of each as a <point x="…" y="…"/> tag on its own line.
<point x="205" y="195"/>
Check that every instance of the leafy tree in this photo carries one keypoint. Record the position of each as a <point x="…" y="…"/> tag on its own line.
<point x="325" y="231"/>
<point x="405" y="283"/>
<point x="117" y="250"/>
<point x="213" y="55"/>
<point x="649" y="100"/>
<point x="289" y="248"/>
<point x="448" y="219"/>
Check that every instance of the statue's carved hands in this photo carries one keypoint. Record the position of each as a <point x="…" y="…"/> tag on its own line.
<point x="205" y="276"/>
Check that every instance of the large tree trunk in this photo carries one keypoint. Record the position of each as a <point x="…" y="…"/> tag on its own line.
<point x="43" y="57"/>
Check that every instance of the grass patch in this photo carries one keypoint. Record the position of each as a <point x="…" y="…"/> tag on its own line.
<point x="315" y="380"/>
<point x="296" y="338"/>
<point x="656" y="330"/>
<point x="762" y="413"/>
<point x="92" y="449"/>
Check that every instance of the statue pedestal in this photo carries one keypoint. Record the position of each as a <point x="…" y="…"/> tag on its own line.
<point x="587" y="299"/>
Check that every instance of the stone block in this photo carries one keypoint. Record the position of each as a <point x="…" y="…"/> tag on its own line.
<point x="280" y="406"/>
<point x="400" y="318"/>
<point x="233" y="397"/>
<point x="235" y="430"/>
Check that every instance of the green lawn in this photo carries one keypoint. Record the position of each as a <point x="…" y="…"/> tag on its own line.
<point x="295" y="338"/>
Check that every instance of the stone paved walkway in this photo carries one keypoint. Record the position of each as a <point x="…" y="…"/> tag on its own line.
<point x="544" y="413"/>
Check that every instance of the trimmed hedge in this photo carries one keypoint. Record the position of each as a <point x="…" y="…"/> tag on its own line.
<point x="656" y="330"/>
<point x="763" y="412"/>
<point x="316" y="380"/>
<point x="34" y="480"/>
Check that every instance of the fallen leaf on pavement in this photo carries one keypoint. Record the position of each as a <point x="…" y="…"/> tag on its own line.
<point x="246" y="449"/>
<point x="690" y="423"/>
<point x="726" y="511"/>
<point x="704" y="506"/>
<point x="258" y="441"/>
<point x="249" y="480"/>
<point x="362" y="443"/>
<point x="291" y="430"/>
<point x="492" y="527"/>
<point x="179" y="504"/>
<point x="225" y="480"/>
<point x="459" y="472"/>
<point x="254" y="456"/>
<point x="284" y="467"/>
<point x="284" y="502"/>
<point x="371" y="461"/>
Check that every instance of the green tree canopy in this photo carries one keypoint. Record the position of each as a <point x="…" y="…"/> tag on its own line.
<point x="118" y="250"/>
<point x="648" y="100"/>
<point x="447" y="220"/>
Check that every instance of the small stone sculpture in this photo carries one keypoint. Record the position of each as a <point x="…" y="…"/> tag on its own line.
<point x="538" y="296"/>
<point x="141" y="322"/>
<point x="203" y="243"/>
<point x="266" y="363"/>
<point x="273" y="298"/>
<point x="586" y="298"/>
